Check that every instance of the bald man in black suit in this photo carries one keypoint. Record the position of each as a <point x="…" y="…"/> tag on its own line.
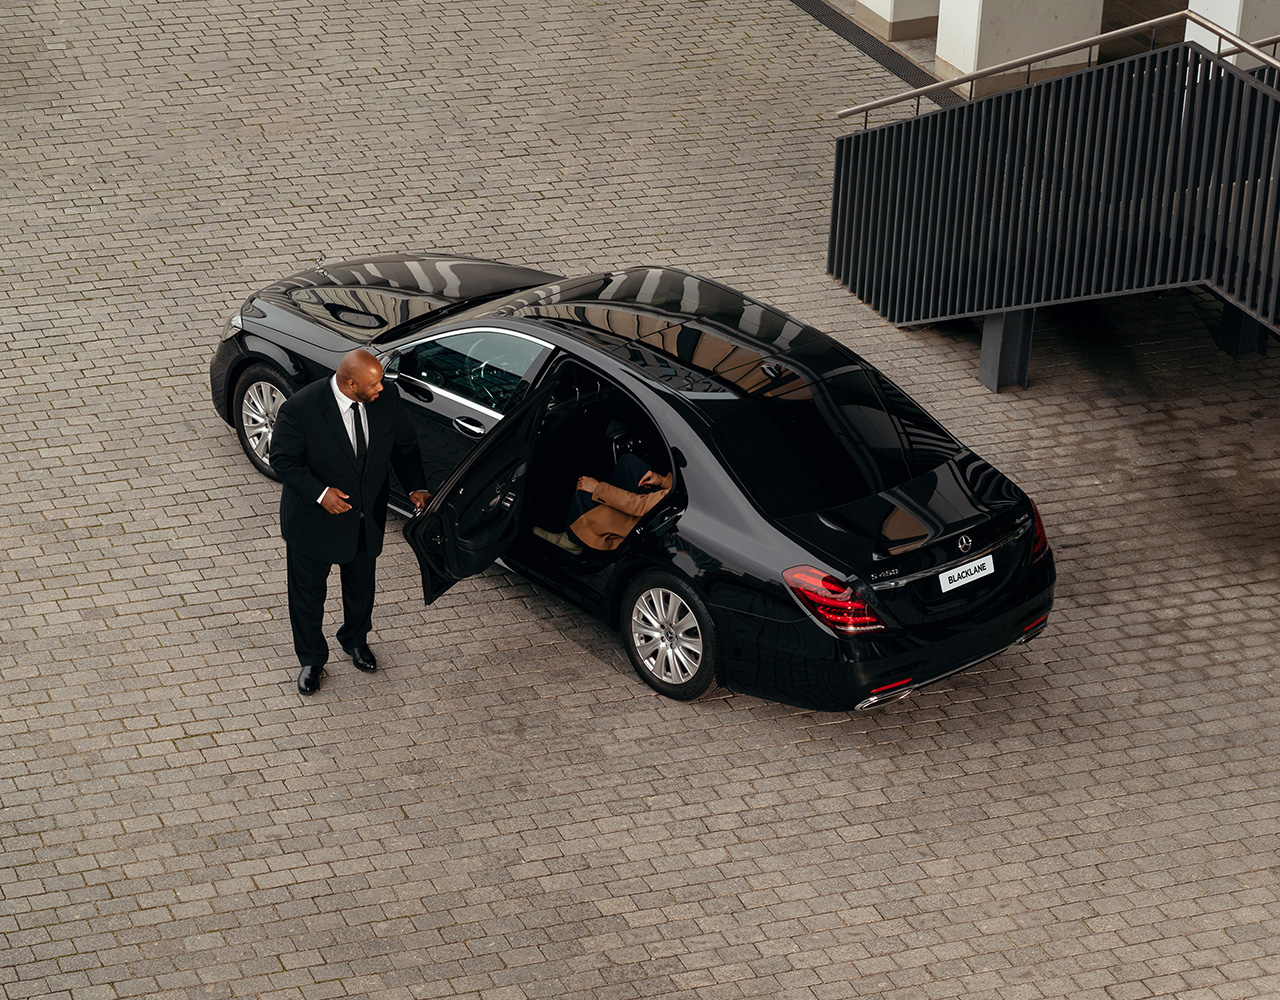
<point x="333" y="447"/>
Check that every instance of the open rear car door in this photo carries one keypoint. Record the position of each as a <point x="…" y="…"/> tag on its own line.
<point x="475" y="516"/>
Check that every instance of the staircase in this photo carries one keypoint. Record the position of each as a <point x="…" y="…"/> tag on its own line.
<point x="1156" y="171"/>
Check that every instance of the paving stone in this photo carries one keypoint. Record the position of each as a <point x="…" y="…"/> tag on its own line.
<point x="505" y="811"/>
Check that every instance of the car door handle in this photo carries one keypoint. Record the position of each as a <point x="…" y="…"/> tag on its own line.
<point x="469" y="426"/>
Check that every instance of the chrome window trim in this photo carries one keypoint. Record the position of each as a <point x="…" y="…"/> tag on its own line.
<point x="471" y="403"/>
<point x="448" y="394"/>
<point x="519" y="334"/>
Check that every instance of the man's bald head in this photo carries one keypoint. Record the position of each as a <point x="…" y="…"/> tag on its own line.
<point x="359" y="376"/>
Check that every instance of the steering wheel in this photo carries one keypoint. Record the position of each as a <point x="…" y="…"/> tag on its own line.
<point x="493" y="378"/>
<point x="429" y="372"/>
<point x="479" y="378"/>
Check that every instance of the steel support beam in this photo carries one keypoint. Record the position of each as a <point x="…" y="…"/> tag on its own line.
<point x="1006" y="348"/>
<point x="1240" y="333"/>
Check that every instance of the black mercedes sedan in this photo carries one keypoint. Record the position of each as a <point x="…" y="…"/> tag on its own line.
<point x="824" y="542"/>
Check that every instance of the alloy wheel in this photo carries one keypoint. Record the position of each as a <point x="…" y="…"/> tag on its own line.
<point x="666" y="636"/>
<point x="258" y="412"/>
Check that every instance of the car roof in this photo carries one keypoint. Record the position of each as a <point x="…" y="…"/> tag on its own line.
<point x="696" y="336"/>
<point x="690" y="334"/>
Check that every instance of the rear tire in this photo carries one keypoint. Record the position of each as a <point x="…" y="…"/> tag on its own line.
<point x="255" y="404"/>
<point x="669" y="636"/>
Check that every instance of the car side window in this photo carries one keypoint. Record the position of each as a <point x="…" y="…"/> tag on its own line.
<point x="483" y="366"/>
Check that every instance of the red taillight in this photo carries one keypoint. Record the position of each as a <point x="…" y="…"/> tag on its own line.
<point x="1039" y="542"/>
<point x="832" y="600"/>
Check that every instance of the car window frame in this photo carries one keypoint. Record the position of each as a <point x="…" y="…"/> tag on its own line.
<point x="528" y="379"/>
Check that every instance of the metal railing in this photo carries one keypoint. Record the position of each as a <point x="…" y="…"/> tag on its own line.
<point x="1154" y="171"/>
<point x="1257" y="43"/>
<point x="1239" y="47"/>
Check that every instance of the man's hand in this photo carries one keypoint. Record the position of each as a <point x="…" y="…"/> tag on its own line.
<point x="587" y="484"/>
<point x="419" y="499"/>
<point x="335" y="501"/>
<point x="651" y="478"/>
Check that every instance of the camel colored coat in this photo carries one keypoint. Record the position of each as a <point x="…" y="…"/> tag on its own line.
<point x="605" y="526"/>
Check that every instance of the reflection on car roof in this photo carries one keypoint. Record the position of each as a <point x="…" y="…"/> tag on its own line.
<point x="694" y="335"/>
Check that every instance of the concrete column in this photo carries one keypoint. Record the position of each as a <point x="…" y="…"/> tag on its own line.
<point x="1250" y="19"/>
<point x="976" y="34"/>
<point x="898" y="20"/>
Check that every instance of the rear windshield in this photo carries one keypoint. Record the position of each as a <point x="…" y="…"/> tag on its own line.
<point x="821" y="446"/>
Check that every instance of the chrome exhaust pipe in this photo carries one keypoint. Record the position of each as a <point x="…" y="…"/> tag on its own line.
<point x="880" y="700"/>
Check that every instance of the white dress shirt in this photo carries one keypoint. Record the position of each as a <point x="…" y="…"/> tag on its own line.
<point x="348" y="419"/>
<point x="348" y="414"/>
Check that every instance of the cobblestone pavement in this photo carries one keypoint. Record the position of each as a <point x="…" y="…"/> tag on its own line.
<point x="505" y="811"/>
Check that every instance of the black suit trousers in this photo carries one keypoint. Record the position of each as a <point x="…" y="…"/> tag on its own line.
<point x="308" y="588"/>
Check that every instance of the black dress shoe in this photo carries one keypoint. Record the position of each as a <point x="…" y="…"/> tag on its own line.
<point x="362" y="656"/>
<point x="309" y="680"/>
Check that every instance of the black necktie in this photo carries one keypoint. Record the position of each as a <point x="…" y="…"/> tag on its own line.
<point x="359" y="431"/>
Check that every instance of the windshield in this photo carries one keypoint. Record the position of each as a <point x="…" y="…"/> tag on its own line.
<point x="827" y="444"/>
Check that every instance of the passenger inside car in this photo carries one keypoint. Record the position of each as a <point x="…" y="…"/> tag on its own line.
<point x="602" y="514"/>
<point x="593" y="435"/>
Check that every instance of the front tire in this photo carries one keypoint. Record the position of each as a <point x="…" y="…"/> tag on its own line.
<point x="256" y="402"/>
<point x="669" y="636"/>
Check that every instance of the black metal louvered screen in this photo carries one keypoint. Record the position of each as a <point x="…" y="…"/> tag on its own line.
<point x="1155" y="171"/>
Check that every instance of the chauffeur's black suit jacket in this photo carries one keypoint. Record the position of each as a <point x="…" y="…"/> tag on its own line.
<point x="310" y="451"/>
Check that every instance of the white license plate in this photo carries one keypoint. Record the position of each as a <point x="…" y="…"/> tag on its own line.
<point x="967" y="573"/>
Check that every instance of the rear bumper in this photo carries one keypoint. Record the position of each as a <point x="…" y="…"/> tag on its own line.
<point x="802" y="664"/>
<point x="916" y="679"/>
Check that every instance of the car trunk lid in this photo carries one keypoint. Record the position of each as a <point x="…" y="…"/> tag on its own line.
<point x="931" y="549"/>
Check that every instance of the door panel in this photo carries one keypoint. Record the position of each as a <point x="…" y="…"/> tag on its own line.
<point x="457" y="386"/>
<point x="475" y="530"/>
<point x="447" y="428"/>
<point x="475" y="516"/>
